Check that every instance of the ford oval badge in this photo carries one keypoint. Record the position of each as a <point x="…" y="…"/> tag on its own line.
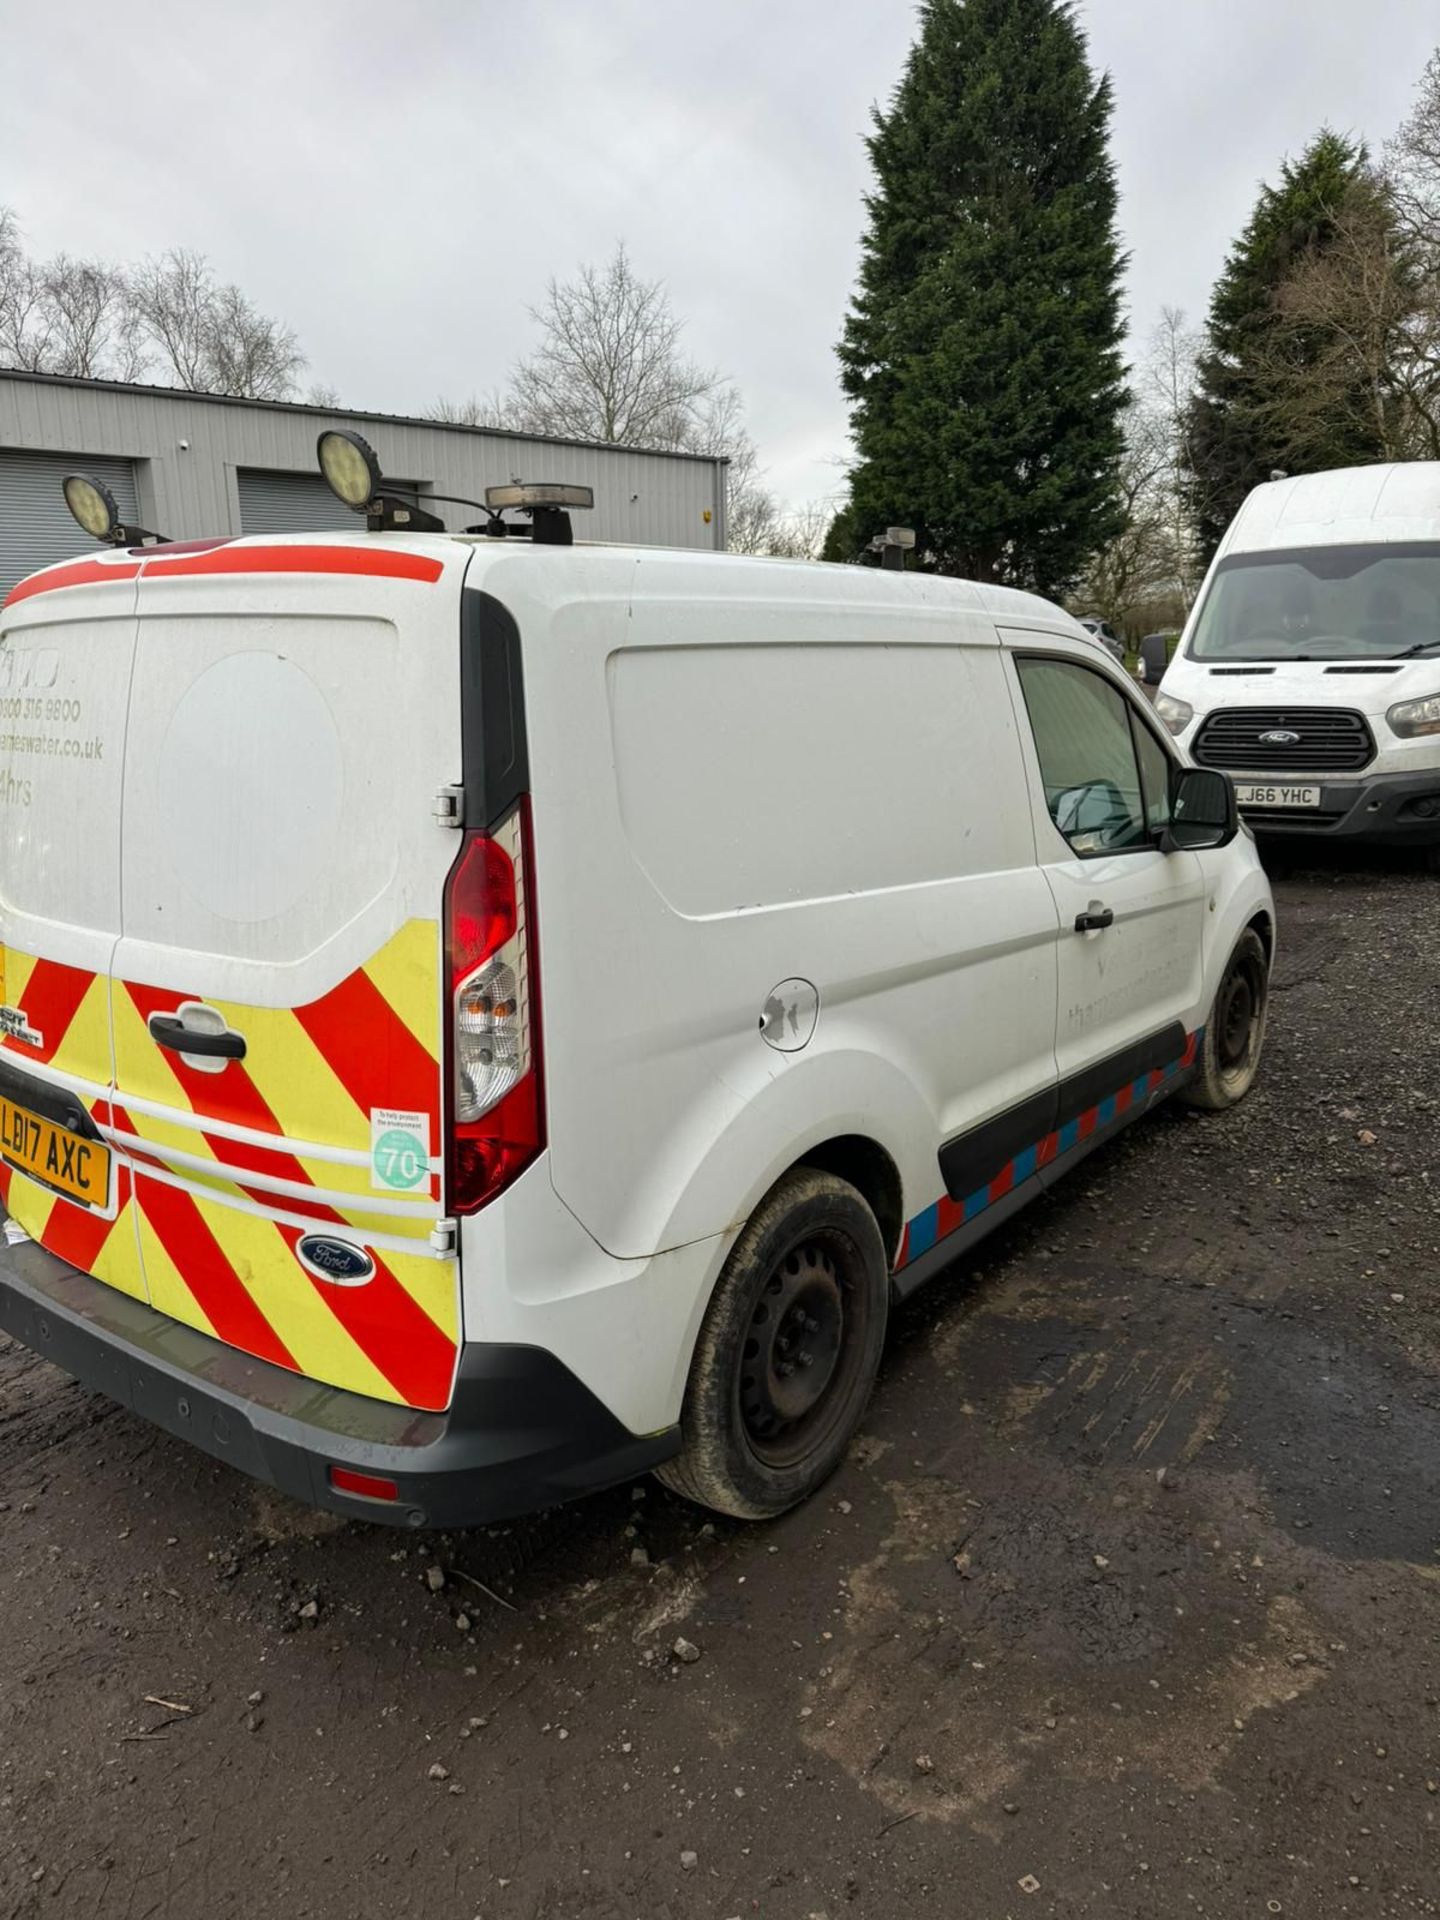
<point x="1280" y="737"/>
<point x="339" y="1262"/>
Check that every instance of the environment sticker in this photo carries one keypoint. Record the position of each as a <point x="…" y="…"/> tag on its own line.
<point x="399" y="1148"/>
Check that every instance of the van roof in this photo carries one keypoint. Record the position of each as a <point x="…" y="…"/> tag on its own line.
<point x="1345" y="507"/>
<point x="424" y="555"/>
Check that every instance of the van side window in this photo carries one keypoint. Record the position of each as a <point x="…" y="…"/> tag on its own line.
<point x="1156" y="769"/>
<point x="1087" y="756"/>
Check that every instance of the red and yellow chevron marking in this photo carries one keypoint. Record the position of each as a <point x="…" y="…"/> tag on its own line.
<point x="310" y="1074"/>
<point x="69" y="1008"/>
<point x="215" y="1251"/>
<point x="108" y="1249"/>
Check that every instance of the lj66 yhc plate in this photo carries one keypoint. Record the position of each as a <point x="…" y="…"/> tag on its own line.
<point x="1276" y="796"/>
<point x="74" y="1166"/>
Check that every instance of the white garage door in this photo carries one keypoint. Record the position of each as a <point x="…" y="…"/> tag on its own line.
<point x="35" y="523"/>
<point x="291" y="503"/>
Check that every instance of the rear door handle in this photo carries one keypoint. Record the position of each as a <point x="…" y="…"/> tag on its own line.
<point x="166" y="1031"/>
<point x="1094" y="922"/>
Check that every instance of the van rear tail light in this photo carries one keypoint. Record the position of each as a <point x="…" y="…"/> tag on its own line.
<point x="496" y="1112"/>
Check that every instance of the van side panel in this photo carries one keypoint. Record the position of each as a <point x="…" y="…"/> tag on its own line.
<point x="732" y="794"/>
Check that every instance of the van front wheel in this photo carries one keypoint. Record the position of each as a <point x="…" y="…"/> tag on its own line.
<point x="1235" y="1031"/>
<point x="787" y="1353"/>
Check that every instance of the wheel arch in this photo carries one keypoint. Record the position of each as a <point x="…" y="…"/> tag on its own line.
<point x="872" y="1171"/>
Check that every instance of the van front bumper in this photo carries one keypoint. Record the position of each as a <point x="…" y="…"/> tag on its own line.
<point x="521" y="1432"/>
<point x="1388" y="809"/>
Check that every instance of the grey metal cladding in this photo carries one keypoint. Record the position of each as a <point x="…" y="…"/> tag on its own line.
<point x="189" y="452"/>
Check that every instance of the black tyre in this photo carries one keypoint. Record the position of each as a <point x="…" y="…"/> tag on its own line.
<point x="1235" y="1031"/>
<point x="787" y="1353"/>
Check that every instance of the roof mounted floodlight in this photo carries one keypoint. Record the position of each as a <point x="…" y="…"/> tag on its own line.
<point x="352" y="473"/>
<point x="93" y="507"/>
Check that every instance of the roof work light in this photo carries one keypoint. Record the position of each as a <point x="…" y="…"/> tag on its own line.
<point x="93" y="507"/>
<point x="352" y="473"/>
<point x="351" y="470"/>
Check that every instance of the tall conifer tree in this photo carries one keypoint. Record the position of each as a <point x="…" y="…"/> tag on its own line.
<point x="982" y="351"/>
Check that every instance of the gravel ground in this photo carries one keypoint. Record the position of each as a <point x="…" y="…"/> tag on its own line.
<point x="1125" y="1605"/>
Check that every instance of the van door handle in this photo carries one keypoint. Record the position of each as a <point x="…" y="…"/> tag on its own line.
<point x="1094" y="922"/>
<point x="166" y="1031"/>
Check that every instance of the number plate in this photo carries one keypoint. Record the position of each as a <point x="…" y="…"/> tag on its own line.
<point x="72" y="1165"/>
<point x="1253" y="796"/>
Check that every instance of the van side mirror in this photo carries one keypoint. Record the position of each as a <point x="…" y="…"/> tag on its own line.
<point x="1202" y="811"/>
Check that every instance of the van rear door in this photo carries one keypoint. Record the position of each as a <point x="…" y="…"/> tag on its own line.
<point x="67" y="647"/>
<point x="294" y="708"/>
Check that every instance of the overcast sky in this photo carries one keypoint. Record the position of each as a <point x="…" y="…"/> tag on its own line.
<point x="398" y="180"/>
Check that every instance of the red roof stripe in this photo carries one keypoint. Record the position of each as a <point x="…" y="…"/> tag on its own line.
<point x="79" y="573"/>
<point x="385" y="563"/>
<point x="185" y="561"/>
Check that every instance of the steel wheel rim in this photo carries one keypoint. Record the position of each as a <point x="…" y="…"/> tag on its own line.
<point x="1238" y="1014"/>
<point x="801" y="1348"/>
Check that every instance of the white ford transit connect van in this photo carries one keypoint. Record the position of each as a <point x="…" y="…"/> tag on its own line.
<point x="483" y="1017"/>
<point x="1310" y="666"/>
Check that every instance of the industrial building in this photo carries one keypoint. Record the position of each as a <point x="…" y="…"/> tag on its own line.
<point x="196" y="465"/>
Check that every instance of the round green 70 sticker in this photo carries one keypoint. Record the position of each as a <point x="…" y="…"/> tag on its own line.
<point x="398" y="1160"/>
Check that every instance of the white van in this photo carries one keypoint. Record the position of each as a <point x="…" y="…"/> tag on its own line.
<point x="484" y="1017"/>
<point x="1310" y="666"/>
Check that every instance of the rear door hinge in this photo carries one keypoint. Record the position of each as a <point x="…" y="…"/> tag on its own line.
<point x="445" y="1236"/>
<point x="450" y="806"/>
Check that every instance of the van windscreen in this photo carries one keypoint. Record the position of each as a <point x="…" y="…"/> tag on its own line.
<point x="1374" y="602"/>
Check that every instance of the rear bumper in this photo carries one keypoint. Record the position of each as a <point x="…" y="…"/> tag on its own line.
<point x="521" y="1431"/>
<point x="1389" y="809"/>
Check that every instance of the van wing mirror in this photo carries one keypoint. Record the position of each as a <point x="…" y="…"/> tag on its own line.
<point x="1203" y="812"/>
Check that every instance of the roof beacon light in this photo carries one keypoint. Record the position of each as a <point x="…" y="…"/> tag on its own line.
<point x="538" y="493"/>
<point x="547" y="503"/>
<point x="93" y="507"/>
<point x="353" y="475"/>
<point x="892" y="546"/>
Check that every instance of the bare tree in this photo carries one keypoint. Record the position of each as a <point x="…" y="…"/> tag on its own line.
<point x="490" y="411"/>
<point x="1150" y="570"/>
<point x="1412" y="159"/>
<point x="609" y="368"/>
<point x="609" y="365"/>
<point x="210" y="337"/>
<point x="92" y="330"/>
<point x="1412" y="170"/>
<point x="26" y="327"/>
<point x="250" y="354"/>
<point x="1166" y="387"/>
<point x="1358" y="312"/>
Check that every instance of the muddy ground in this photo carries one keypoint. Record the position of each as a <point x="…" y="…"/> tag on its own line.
<point x="1126" y="1604"/>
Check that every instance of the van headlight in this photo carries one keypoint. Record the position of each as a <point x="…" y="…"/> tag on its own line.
<point x="1411" y="718"/>
<point x="1176" y="714"/>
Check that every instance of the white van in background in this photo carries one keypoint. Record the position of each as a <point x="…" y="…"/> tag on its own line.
<point x="483" y="1016"/>
<point x="1309" y="669"/>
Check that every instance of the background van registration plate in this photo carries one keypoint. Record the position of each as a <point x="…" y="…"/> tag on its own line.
<point x="1257" y="796"/>
<point x="53" y="1155"/>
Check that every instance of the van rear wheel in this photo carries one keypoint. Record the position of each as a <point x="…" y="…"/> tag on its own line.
<point x="1235" y="1032"/>
<point x="787" y="1353"/>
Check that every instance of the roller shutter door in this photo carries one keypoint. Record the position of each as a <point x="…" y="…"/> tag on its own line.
<point x="291" y="503"/>
<point x="35" y="523"/>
